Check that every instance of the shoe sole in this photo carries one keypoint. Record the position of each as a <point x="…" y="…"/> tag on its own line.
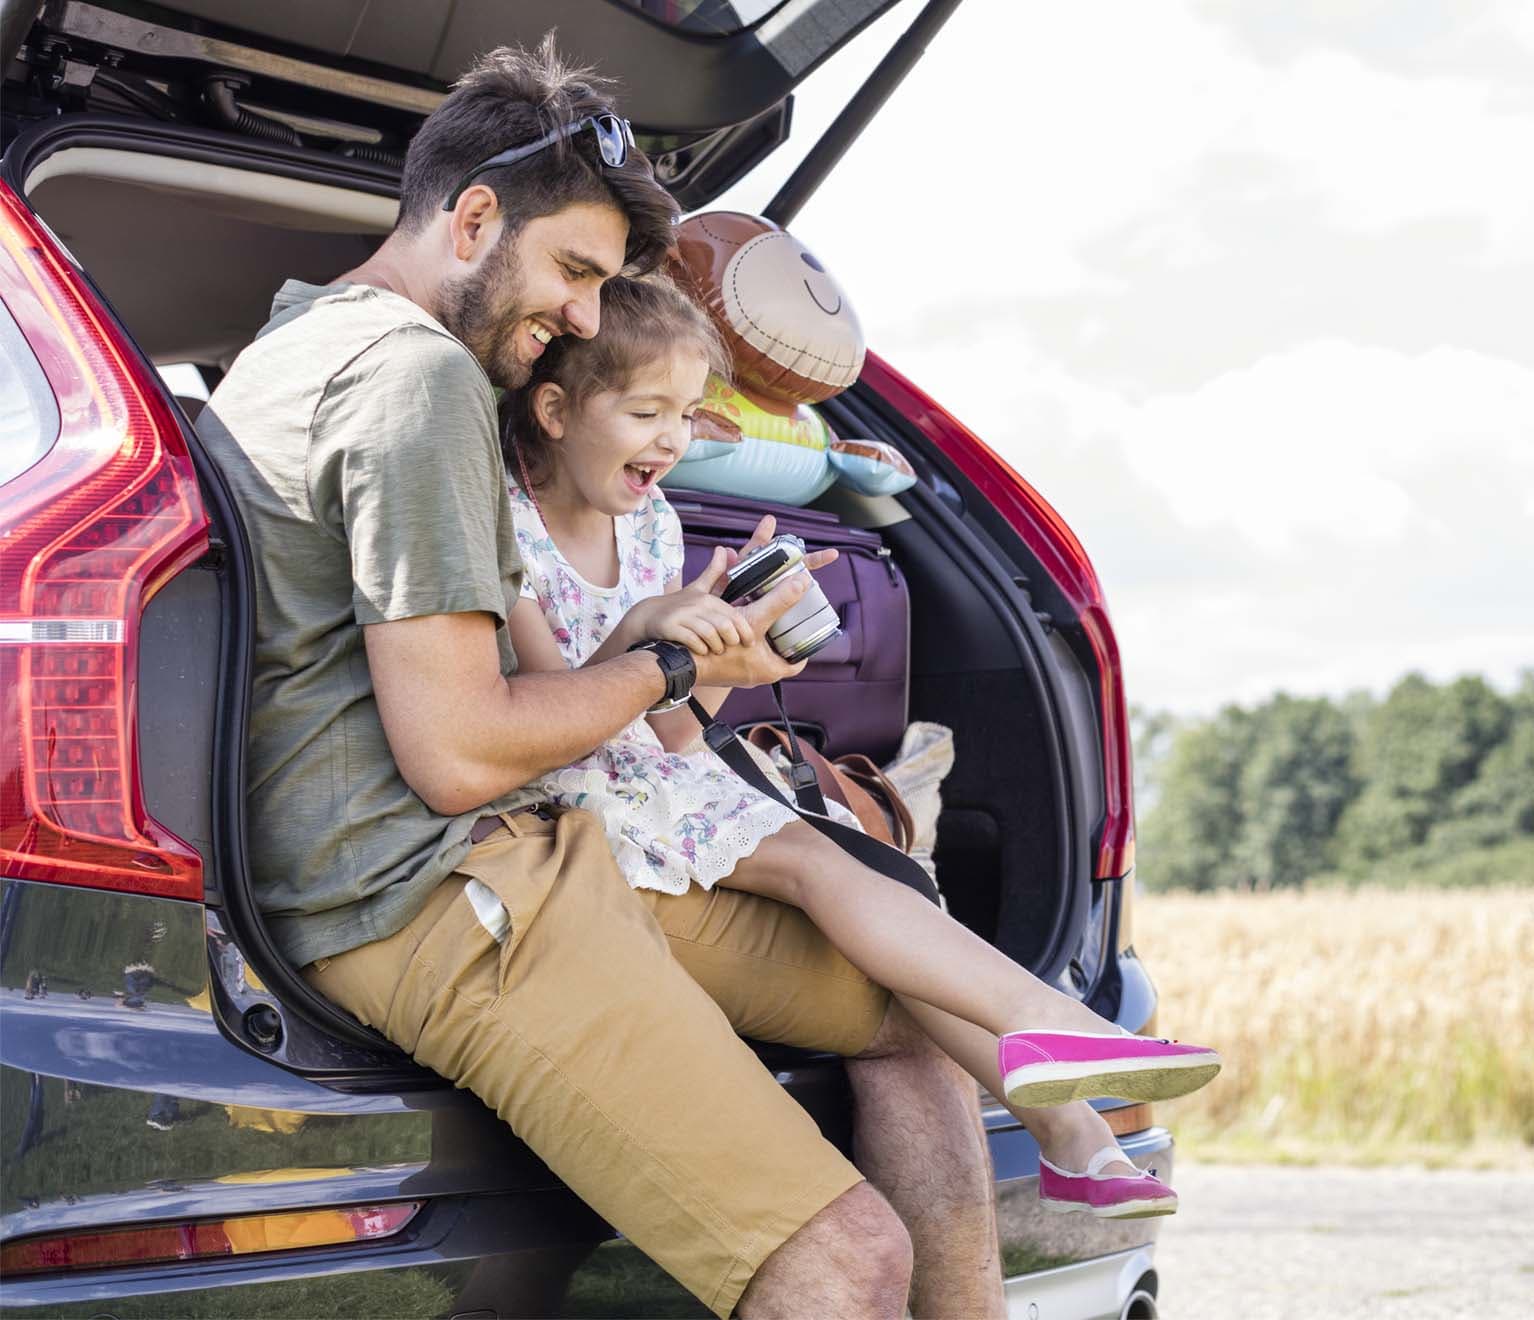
<point x="1149" y="1208"/>
<point x="1041" y="1085"/>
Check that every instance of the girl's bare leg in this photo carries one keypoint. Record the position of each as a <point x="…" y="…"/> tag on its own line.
<point x="900" y="940"/>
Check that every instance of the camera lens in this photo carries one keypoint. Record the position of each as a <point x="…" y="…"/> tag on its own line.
<point x="806" y="626"/>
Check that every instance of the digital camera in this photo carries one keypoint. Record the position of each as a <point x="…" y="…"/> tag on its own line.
<point x="808" y="624"/>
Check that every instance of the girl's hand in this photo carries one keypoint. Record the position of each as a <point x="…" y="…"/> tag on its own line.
<point x="705" y="625"/>
<point x="693" y="615"/>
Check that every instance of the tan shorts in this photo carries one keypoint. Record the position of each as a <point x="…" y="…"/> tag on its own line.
<point x="603" y="1030"/>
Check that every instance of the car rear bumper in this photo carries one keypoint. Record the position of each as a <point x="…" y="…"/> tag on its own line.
<point x="458" y="1259"/>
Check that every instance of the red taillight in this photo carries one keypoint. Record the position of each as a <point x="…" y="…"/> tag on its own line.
<point x="1055" y="546"/>
<point x="246" y="1234"/>
<point x="87" y="534"/>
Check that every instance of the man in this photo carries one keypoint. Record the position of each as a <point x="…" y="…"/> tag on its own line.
<point x="395" y="857"/>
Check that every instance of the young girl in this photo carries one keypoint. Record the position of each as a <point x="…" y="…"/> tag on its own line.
<point x="598" y="424"/>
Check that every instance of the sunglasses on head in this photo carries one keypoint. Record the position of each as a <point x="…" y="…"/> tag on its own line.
<point x="614" y="138"/>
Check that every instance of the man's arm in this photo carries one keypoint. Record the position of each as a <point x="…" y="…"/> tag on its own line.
<point x="463" y="735"/>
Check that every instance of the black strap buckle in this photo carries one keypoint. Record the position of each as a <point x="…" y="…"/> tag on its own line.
<point x="801" y="774"/>
<point x="716" y="733"/>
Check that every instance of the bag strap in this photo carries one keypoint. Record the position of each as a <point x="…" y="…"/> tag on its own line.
<point x="771" y="737"/>
<point x="837" y="786"/>
<point x="867" y="776"/>
<point x="876" y="856"/>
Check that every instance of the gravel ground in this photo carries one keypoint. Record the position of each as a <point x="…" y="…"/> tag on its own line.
<point x="1252" y="1242"/>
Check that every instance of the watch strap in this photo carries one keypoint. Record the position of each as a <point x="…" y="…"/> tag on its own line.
<point x="678" y="668"/>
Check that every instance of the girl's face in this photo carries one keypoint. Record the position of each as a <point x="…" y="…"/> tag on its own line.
<point x="618" y="444"/>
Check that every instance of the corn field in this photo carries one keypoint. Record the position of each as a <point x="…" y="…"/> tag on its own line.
<point x="1356" y="1026"/>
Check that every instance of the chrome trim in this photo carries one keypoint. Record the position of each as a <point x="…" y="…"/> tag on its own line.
<point x="43" y="631"/>
<point x="1096" y="1289"/>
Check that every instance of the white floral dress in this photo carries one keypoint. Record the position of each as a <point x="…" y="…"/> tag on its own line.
<point x="671" y="819"/>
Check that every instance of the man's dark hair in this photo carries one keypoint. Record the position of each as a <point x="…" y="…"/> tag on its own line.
<point x="510" y="97"/>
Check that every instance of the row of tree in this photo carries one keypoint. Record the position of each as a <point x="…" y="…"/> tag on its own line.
<point x="1434" y="784"/>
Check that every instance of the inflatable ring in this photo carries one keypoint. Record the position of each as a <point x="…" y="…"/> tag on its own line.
<point x="783" y="459"/>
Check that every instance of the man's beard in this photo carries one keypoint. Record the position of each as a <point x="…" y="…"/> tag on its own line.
<point x="482" y="310"/>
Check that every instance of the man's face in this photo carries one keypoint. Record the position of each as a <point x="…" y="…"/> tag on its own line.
<point x="544" y="282"/>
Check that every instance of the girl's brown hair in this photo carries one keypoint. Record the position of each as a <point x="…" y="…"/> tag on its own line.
<point x="642" y="320"/>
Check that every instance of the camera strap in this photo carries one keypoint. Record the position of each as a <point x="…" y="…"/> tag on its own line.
<point x="801" y="774"/>
<point x="810" y="805"/>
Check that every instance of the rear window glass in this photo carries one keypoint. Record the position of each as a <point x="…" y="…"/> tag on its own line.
<point x="29" y="417"/>
<point x="720" y="17"/>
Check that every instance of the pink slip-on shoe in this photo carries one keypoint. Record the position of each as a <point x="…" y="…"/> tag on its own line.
<point x="1105" y="1195"/>
<point x="1040" y="1068"/>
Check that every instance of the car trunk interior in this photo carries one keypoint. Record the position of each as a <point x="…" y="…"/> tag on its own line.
<point x="189" y="254"/>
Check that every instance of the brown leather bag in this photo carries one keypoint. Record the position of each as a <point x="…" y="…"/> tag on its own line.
<point x="852" y="780"/>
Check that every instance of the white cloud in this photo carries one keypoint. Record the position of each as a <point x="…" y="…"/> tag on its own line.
<point x="1244" y="290"/>
<point x="1028" y="132"/>
<point x="1384" y="149"/>
<point x="1359" y="445"/>
<point x="1327" y="519"/>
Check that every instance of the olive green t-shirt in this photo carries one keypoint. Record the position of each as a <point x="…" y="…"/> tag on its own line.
<point x="359" y="439"/>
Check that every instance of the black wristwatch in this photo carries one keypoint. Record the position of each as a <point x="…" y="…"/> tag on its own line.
<point x="676" y="663"/>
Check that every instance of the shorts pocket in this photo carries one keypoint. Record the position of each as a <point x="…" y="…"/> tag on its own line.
<point x="519" y="869"/>
<point x="450" y="958"/>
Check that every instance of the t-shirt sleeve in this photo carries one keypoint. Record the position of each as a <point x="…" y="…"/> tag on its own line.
<point x="404" y="464"/>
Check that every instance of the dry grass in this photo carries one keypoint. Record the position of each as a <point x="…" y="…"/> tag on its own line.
<point x="1365" y="1026"/>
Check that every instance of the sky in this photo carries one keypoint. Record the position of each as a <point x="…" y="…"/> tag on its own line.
<point x="1245" y="290"/>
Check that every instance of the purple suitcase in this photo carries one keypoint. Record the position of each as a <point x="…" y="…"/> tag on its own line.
<point x="852" y="696"/>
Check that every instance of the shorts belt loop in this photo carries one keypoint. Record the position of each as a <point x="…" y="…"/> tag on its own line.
<point x="515" y="822"/>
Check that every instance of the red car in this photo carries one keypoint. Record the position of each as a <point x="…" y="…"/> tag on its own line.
<point x="187" y="1128"/>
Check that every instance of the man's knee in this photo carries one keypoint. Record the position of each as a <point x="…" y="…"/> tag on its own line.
<point x="852" y="1258"/>
<point x="863" y="1219"/>
<point x="871" y="1238"/>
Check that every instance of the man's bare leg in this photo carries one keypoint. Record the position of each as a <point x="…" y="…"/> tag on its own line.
<point x="851" y="1259"/>
<point x="918" y="1138"/>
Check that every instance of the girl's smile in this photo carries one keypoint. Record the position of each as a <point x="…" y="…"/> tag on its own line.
<point x="642" y="476"/>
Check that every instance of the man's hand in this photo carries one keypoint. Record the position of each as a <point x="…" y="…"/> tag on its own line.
<point x="751" y="665"/>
